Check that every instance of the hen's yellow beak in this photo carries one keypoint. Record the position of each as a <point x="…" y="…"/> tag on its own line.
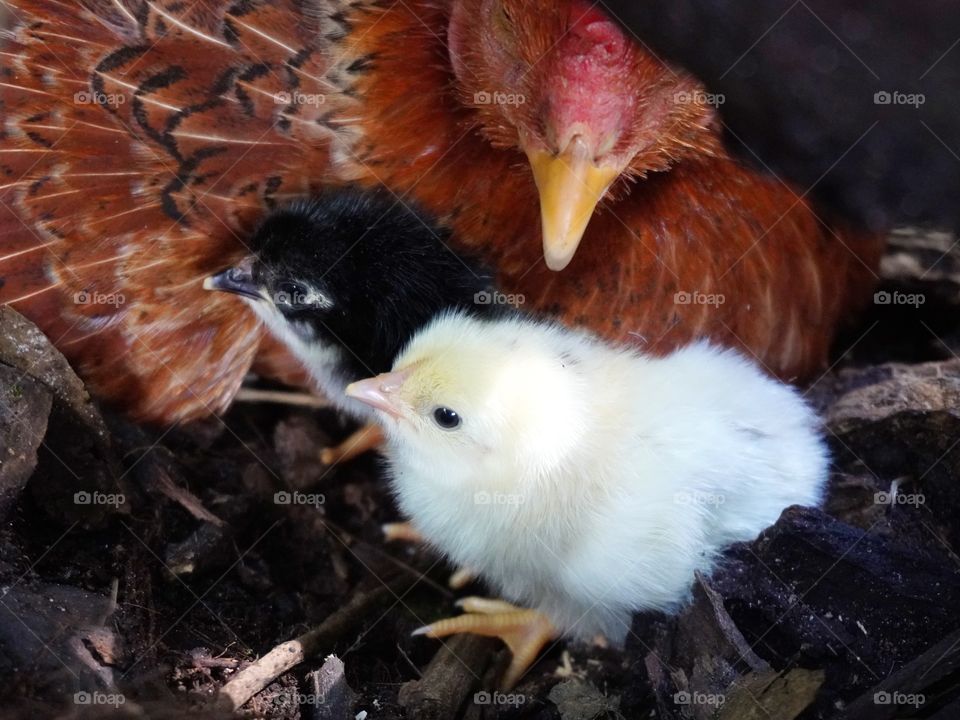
<point x="570" y="186"/>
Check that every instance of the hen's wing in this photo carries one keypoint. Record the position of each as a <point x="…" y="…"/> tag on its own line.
<point x="139" y="143"/>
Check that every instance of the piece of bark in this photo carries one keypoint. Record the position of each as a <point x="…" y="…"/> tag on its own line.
<point x="811" y="592"/>
<point x="816" y="592"/>
<point x="852" y="498"/>
<point x="770" y="696"/>
<point x="895" y="392"/>
<point x="916" y="256"/>
<point x="580" y="700"/>
<point x="24" y="409"/>
<point x="45" y="633"/>
<point x="207" y="546"/>
<point x="155" y="469"/>
<point x="901" y="423"/>
<point x="706" y="627"/>
<point x="334" y="698"/>
<point x="76" y="455"/>
<point x="451" y="676"/>
<point x="930" y="684"/>
<point x="706" y="652"/>
<point x="25" y="348"/>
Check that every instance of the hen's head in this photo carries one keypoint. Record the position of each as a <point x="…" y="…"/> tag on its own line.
<point x="564" y="83"/>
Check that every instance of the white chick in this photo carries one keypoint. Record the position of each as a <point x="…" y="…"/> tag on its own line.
<point x="584" y="481"/>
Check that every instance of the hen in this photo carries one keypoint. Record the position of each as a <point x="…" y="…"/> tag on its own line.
<point x="143" y="140"/>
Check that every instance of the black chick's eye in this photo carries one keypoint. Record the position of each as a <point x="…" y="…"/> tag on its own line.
<point x="290" y="294"/>
<point x="446" y="418"/>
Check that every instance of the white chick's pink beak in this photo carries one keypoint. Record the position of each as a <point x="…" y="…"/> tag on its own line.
<point x="380" y="392"/>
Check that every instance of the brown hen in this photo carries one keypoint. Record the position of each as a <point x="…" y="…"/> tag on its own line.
<point x="140" y="142"/>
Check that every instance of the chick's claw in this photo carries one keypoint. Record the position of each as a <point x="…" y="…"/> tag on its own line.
<point x="403" y="531"/>
<point x="369" y="437"/>
<point x="461" y="578"/>
<point x="525" y="632"/>
<point x="487" y="606"/>
<point x="406" y="532"/>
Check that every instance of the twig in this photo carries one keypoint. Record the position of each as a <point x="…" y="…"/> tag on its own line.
<point x="162" y="481"/>
<point x="410" y="662"/>
<point x="255" y="677"/>
<point x="281" y="397"/>
<point x="202" y="659"/>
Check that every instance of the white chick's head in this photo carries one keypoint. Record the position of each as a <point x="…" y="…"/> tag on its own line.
<point x="470" y="396"/>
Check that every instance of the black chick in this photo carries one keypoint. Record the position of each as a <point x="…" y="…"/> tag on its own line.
<point x="344" y="279"/>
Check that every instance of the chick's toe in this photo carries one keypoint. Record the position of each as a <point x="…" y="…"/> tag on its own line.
<point x="406" y="532"/>
<point x="461" y="578"/>
<point x="369" y="437"/>
<point x="402" y="531"/>
<point x="524" y="631"/>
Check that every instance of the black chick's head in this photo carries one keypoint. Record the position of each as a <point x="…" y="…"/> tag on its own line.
<point x="357" y="270"/>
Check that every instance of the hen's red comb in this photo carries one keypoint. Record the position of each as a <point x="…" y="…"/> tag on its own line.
<point x="583" y="14"/>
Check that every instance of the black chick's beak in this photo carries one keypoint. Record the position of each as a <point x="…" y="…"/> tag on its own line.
<point x="237" y="280"/>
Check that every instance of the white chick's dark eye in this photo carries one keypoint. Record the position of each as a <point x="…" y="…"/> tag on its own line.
<point x="446" y="418"/>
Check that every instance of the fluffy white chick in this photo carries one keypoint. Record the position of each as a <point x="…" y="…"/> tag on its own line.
<point x="580" y="480"/>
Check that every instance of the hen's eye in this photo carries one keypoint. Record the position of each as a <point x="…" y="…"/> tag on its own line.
<point x="446" y="418"/>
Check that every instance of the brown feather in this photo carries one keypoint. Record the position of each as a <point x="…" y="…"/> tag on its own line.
<point x="138" y="169"/>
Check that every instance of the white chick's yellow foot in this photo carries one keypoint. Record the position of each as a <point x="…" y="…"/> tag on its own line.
<point x="406" y="532"/>
<point x="402" y="531"/>
<point x="525" y="632"/>
<point x="369" y="437"/>
<point x="461" y="578"/>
